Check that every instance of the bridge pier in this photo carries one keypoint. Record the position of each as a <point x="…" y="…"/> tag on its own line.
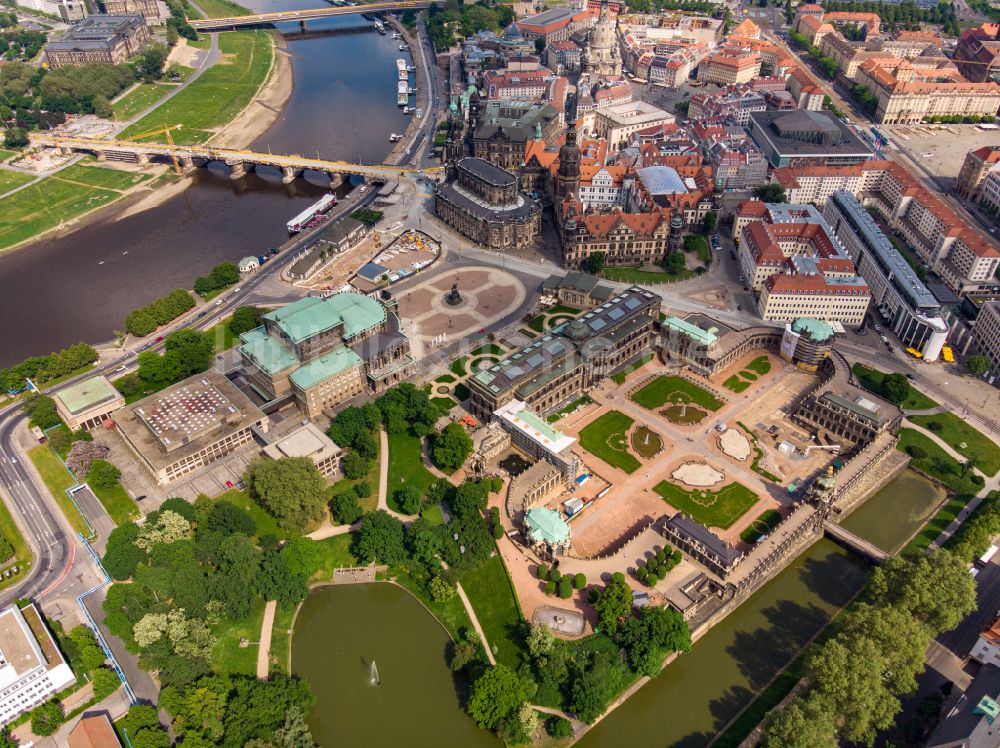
<point x="143" y="159"/>
<point x="101" y="155"/>
<point x="336" y="179"/>
<point x="187" y="161"/>
<point x="289" y="174"/>
<point x="237" y="169"/>
<point x="302" y="26"/>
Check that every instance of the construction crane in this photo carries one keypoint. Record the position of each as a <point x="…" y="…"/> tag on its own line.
<point x="164" y="131"/>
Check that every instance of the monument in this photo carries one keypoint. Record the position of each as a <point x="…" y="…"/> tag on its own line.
<point x="453" y="297"/>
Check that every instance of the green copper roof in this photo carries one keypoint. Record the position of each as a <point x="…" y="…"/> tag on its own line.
<point x="547" y="526"/>
<point x="310" y="316"/>
<point x="267" y="352"/>
<point x="86" y="394"/>
<point x="544" y="427"/>
<point x="814" y="328"/>
<point x="705" y="337"/>
<point x="323" y="368"/>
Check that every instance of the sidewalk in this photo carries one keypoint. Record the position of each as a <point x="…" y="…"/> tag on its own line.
<point x="264" y="645"/>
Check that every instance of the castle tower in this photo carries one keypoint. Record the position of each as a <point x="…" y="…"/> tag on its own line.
<point x="676" y="227"/>
<point x="568" y="176"/>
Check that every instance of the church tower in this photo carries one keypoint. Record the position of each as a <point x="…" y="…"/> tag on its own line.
<point x="568" y="176"/>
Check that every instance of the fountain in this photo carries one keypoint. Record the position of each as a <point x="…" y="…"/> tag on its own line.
<point x="373" y="676"/>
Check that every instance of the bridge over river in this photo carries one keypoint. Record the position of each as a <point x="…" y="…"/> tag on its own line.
<point x="239" y="162"/>
<point x="264" y="19"/>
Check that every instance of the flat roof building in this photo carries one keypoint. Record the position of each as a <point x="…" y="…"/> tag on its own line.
<point x="87" y="404"/>
<point x="806" y="138"/>
<point x="31" y="668"/>
<point x="189" y="425"/>
<point x="308" y="441"/>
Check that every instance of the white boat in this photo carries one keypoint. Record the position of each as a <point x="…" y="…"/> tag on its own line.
<point x="394" y="138"/>
<point x="403" y="48"/>
<point x="408" y="110"/>
<point x="380" y="27"/>
<point x="320" y="206"/>
<point x="401" y="69"/>
<point x="396" y="35"/>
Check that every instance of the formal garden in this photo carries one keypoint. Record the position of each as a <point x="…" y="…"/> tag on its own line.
<point x="710" y="507"/>
<point x="753" y="371"/>
<point x="761" y="525"/>
<point x="606" y="437"/>
<point x="682" y="394"/>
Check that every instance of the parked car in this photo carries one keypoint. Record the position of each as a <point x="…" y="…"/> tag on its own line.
<point x="229" y="484"/>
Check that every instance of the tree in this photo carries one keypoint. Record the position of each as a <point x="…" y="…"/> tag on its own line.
<point x="15" y="138"/>
<point x="771" y="193"/>
<point x="345" y="508"/>
<point x="169" y="527"/>
<point x="227" y="518"/>
<point x="976" y="365"/>
<point x="277" y="582"/>
<point x="804" y="722"/>
<point x="409" y="499"/>
<point x="190" y="349"/>
<point x="896" y="388"/>
<point x="295" y="732"/>
<point x="46" y="718"/>
<point x="675" y="262"/>
<point x="105" y="683"/>
<point x="41" y="410"/>
<point x="440" y="589"/>
<point x="291" y="489"/>
<point x="495" y="696"/>
<point x="710" y="220"/>
<point x="558" y="727"/>
<point x="88" y="654"/>
<point x="83" y="454"/>
<point x="355" y="466"/>
<point x="579" y="581"/>
<point x="451" y="446"/>
<point x="122" y="555"/>
<point x="566" y="587"/>
<point x="593" y="689"/>
<point x="613" y="605"/>
<point x="245" y="319"/>
<point x="381" y="538"/>
<point x="103" y="475"/>
<point x="303" y="556"/>
<point x="594" y="263"/>
<point x="540" y="640"/>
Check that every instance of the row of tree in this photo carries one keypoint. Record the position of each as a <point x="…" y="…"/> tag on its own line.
<point x="190" y="567"/>
<point x="186" y="352"/>
<point x="43" y="369"/>
<point x="144" y="320"/>
<point x="905" y="15"/>
<point x="222" y="275"/>
<point x="855" y="680"/>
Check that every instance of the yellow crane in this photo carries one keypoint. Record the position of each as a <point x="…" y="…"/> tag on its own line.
<point x="164" y="131"/>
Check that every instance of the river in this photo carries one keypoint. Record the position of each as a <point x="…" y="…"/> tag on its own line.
<point x="82" y="285"/>
<point x="340" y="631"/>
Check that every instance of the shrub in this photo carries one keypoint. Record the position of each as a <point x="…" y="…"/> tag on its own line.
<point x="916" y="451"/>
<point x="641" y="574"/>
<point x="565" y="587"/>
<point x="46" y="718"/>
<point x="82" y="455"/>
<point x="103" y="474"/>
<point x="550" y="587"/>
<point x="497" y="531"/>
<point x="497" y="483"/>
<point x="661" y="556"/>
<point x="542" y="572"/>
<point x="559" y="727"/>
<point x="977" y="480"/>
<point x="934" y="425"/>
<point x="661" y="572"/>
<point x="593" y="595"/>
<point x="555" y="575"/>
<point x="579" y="581"/>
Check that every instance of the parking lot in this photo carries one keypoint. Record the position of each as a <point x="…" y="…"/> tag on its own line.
<point x="940" y="148"/>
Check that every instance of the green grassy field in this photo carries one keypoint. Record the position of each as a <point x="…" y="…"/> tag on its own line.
<point x="761" y="365"/>
<point x="406" y="466"/>
<point x="956" y="432"/>
<point x="222" y="8"/>
<point x="537" y="323"/>
<point x="445" y="379"/>
<point x="117" y="503"/>
<point x="937" y="524"/>
<point x="57" y="479"/>
<point x="492" y="597"/>
<point x="937" y="462"/>
<point x="461" y="392"/>
<point x="458" y="366"/>
<point x="227" y="656"/>
<point x="871" y="379"/>
<point x="635" y="275"/>
<point x="10" y="180"/>
<point x="711" y="508"/>
<point x="671" y="389"/>
<point x="605" y="438"/>
<point x="562" y="309"/>
<point x="763" y="524"/>
<point x="96" y="176"/>
<point x="22" y="554"/>
<point x="45" y="205"/>
<point x="219" y="94"/>
<point x="646" y="442"/>
<point x="336" y="555"/>
<point x="619" y="378"/>
<point x="5" y="154"/>
<point x="580" y="402"/>
<point x="145" y="95"/>
<point x="735" y="384"/>
<point x="491" y="349"/>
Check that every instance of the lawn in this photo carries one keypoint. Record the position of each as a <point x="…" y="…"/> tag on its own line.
<point x="673" y="389"/>
<point x="406" y="466"/>
<point x="762" y="525"/>
<point x="735" y="384"/>
<point x="5" y="154"/>
<point x="445" y="379"/>
<point x="222" y="336"/>
<point x="491" y="349"/>
<point x="138" y="99"/>
<point x="97" y="176"/>
<point x="761" y="365"/>
<point x="956" y="432"/>
<point x="117" y="503"/>
<point x="937" y="462"/>
<point x="266" y="524"/>
<point x="937" y="524"/>
<point x="619" y="378"/>
<point x="280" y="639"/>
<point x="461" y="392"/>
<point x="22" y="554"/>
<point x="711" y="508"/>
<point x="336" y="555"/>
<point x="564" y="411"/>
<point x="46" y="204"/>
<point x="537" y="323"/>
<point x="562" y="309"/>
<point x="57" y="479"/>
<point x="871" y="379"/>
<point x="635" y="275"/>
<point x="700" y="245"/>
<point x="228" y="657"/>
<point x="219" y="94"/>
<point x="685" y="415"/>
<point x="605" y="438"/>
<point x="445" y="403"/>
<point x="492" y="597"/>
<point x="458" y="366"/>
<point x="450" y="614"/>
<point x="11" y="179"/>
<point x="646" y="442"/>
<point x="559" y="319"/>
<point x="222" y="8"/>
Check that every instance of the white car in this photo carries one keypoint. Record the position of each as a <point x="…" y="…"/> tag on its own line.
<point x="219" y="302"/>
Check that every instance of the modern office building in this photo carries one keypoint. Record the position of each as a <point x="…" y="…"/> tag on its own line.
<point x="99" y="38"/>
<point x="559" y="366"/>
<point x="806" y="138"/>
<point x="189" y="425"/>
<point x="903" y="302"/>
<point x="31" y="668"/>
<point x="986" y="335"/>
<point x="88" y="404"/>
<point x="308" y="441"/>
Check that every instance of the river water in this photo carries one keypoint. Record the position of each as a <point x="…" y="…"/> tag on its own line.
<point x="339" y="631"/>
<point x="82" y="285"/>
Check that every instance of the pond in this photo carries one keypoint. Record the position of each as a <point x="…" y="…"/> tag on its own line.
<point x="339" y="631"/>
<point x="890" y="517"/>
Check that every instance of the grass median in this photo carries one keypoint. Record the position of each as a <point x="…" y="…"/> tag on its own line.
<point x="22" y="554"/>
<point x="57" y="479"/>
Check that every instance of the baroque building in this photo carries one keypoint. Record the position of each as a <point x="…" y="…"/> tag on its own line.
<point x="601" y="56"/>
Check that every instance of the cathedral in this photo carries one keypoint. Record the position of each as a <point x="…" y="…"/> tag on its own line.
<point x="601" y="56"/>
